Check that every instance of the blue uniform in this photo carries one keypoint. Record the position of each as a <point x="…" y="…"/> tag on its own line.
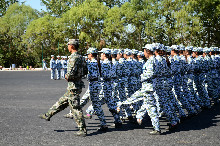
<point x="177" y="80"/>
<point x="199" y="81"/>
<point x="53" y="68"/>
<point x="58" y="67"/>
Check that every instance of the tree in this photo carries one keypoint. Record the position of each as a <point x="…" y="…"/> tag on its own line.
<point x="59" y="7"/>
<point x="4" y="4"/>
<point x="13" y="26"/>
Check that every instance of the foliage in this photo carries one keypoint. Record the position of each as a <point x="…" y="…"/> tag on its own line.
<point x="27" y="35"/>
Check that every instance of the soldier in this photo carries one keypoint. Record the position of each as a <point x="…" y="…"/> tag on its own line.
<point x="185" y="89"/>
<point x="71" y="98"/>
<point x="168" y="85"/>
<point x="94" y="86"/>
<point x="190" y="73"/>
<point x="160" y="82"/>
<point x="62" y="67"/>
<point x="52" y="67"/>
<point x="177" y="80"/>
<point x="149" y="102"/>
<point x="58" y="67"/>
<point x="106" y="76"/>
<point x="199" y="77"/>
<point x="114" y="75"/>
<point x="44" y="65"/>
<point x="122" y="85"/>
<point x="214" y="74"/>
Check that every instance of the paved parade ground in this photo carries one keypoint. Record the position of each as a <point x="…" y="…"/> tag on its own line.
<point x="26" y="94"/>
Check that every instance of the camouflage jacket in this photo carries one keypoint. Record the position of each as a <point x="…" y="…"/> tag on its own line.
<point x="75" y="70"/>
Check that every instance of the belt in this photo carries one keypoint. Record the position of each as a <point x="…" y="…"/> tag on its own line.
<point x="114" y="78"/>
<point x="95" y="79"/>
<point x="106" y="79"/>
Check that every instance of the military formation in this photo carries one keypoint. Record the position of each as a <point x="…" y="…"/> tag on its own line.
<point x="176" y="82"/>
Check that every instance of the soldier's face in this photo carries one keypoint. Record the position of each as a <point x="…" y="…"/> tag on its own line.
<point x="146" y="54"/>
<point x="102" y="56"/>
<point x="193" y="54"/>
<point x="70" y="47"/>
<point x="172" y="52"/>
<point x="90" y="56"/>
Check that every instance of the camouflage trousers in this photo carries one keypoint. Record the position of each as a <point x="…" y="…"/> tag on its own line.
<point x="177" y="84"/>
<point x="162" y="102"/>
<point x="149" y="106"/>
<point x="104" y="96"/>
<point x="200" y="88"/>
<point x="188" y="95"/>
<point x="72" y="99"/>
<point x="174" y="103"/>
<point x="191" y="86"/>
<point x="213" y="84"/>
<point x="122" y="97"/>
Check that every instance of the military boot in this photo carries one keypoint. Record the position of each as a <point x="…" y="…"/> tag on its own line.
<point x="103" y="128"/>
<point x="44" y="116"/>
<point x="81" y="133"/>
<point x="155" y="132"/>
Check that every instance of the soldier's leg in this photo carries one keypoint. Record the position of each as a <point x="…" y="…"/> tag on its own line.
<point x="149" y="106"/>
<point x="205" y="97"/>
<point x="189" y="96"/>
<point x="60" y="105"/>
<point x="74" y="102"/>
<point x="110" y="102"/>
<point x="52" y="73"/>
<point x="96" y="103"/>
<point x="122" y="97"/>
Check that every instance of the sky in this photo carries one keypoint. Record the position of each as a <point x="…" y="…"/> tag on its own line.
<point x="36" y="4"/>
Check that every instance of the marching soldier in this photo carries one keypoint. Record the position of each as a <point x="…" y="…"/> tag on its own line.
<point x="52" y="67"/>
<point x="71" y="98"/>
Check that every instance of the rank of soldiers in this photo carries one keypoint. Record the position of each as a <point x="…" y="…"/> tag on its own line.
<point x="173" y="81"/>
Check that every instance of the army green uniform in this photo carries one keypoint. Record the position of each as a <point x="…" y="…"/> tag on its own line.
<point x="75" y="68"/>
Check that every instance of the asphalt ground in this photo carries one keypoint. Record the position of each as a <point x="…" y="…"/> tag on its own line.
<point x="26" y="94"/>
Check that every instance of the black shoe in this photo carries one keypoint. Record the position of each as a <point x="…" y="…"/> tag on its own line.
<point x="103" y="128"/>
<point x="182" y="118"/>
<point x="191" y="115"/>
<point x="171" y="127"/>
<point x="118" y="125"/>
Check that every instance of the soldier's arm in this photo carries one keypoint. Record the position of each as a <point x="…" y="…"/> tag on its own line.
<point x="72" y="69"/>
<point x="148" y="72"/>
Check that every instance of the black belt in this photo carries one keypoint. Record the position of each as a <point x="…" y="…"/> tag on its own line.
<point x="96" y="79"/>
<point x="106" y="79"/>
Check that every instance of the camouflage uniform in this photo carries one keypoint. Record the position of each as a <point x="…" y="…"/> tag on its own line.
<point x="176" y="72"/>
<point x="94" y="89"/>
<point x="190" y="79"/>
<point x="199" y="81"/>
<point x="122" y="86"/>
<point x="146" y="92"/>
<point x="160" y="94"/>
<point x="185" y="90"/>
<point x="53" y="67"/>
<point x="168" y="85"/>
<point x="107" y="88"/>
<point x="71" y="97"/>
